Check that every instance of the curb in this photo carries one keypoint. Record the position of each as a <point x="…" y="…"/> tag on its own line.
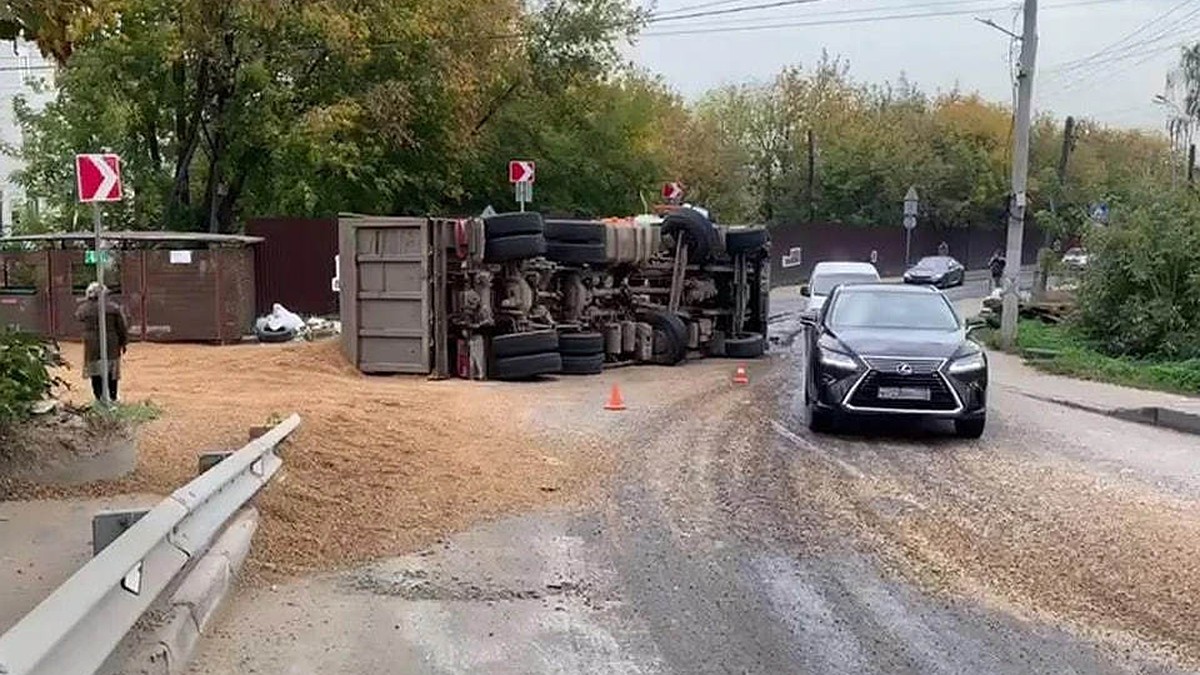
<point x="1167" y="418"/>
<point x="167" y="648"/>
<point x="1154" y="416"/>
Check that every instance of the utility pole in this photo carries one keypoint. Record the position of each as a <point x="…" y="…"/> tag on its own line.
<point x="1067" y="146"/>
<point x="812" y="175"/>
<point x="1020" y="175"/>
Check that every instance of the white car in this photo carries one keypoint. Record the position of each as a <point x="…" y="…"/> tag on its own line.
<point x="1075" y="258"/>
<point x="828" y="275"/>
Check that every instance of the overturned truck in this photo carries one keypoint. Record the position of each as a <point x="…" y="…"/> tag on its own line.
<point x="514" y="296"/>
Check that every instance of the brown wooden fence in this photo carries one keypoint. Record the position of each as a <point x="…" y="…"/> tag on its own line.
<point x="294" y="264"/>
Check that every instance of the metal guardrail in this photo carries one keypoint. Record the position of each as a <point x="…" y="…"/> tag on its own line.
<point x="76" y="628"/>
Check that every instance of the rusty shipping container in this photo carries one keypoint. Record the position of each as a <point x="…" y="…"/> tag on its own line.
<point x="174" y="286"/>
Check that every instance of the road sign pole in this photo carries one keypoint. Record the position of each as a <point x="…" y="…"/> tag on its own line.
<point x="102" y="309"/>
<point x="907" y="246"/>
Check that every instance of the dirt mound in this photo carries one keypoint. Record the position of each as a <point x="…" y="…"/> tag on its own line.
<point x="379" y="466"/>
<point x="66" y="446"/>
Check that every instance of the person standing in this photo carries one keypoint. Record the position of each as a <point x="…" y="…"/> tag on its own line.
<point x="996" y="267"/>
<point x="117" y="335"/>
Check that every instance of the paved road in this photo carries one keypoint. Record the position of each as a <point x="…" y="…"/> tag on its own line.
<point x="730" y="539"/>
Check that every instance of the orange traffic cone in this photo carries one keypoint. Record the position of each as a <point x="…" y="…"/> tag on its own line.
<point x="740" y="376"/>
<point x="615" y="402"/>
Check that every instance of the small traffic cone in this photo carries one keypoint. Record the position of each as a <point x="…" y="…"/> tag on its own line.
<point x="615" y="402"/>
<point x="740" y="376"/>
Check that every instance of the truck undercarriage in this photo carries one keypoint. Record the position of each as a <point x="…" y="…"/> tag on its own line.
<point x="514" y="296"/>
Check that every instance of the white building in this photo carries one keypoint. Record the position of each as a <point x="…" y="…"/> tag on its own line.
<point x="20" y="65"/>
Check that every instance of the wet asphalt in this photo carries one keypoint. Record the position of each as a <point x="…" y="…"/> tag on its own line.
<point x="728" y="539"/>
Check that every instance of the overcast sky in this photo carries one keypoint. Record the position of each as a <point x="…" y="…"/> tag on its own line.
<point x="1130" y="46"/>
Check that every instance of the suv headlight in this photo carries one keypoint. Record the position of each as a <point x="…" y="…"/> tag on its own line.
<point x="837" y="360"/>
<point x="968" y="364"/>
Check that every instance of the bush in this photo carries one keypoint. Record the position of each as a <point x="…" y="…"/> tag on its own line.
<point x="1140" y="296"/>
<point x="25" y="373"/>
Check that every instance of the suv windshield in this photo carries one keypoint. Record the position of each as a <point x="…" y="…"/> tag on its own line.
<point x="822" y="284"/>
<point x="928" y="311"/>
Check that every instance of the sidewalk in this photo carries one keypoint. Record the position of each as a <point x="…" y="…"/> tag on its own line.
<point x="44" y="542"/>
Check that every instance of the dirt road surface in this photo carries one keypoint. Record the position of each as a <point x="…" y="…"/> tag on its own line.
<point x="727" y="538"/>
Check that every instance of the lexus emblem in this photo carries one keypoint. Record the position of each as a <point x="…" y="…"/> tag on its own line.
<point x="904" y="369"/>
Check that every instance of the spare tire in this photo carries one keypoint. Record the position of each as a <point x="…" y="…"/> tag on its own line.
<point x="698" y="233"/>
<point x="746" y="240"/>
<point x="592" y="364"/>
<point x="520" y="344"/>
<point x="670" y="337"/>
<point x="526" y="366"/>
<point x="744" y="346"/>
<point x="515" y="247"/>
<point x="269" y="335"/>
<point x="576" y="254"/>
<point x="576" y="231"/>
<point x="508" y="224"/>
<point x="581" y="344"/>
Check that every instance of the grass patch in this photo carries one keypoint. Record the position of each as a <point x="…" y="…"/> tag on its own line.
<point x="1076" y="357"/>
<point x="135" y="413"/>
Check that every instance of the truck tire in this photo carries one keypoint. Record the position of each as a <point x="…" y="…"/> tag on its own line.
<point x="698" y="233"/>
<point x="744" y="346"/>
<point x="520" y="344"/>
<point x="514" y="247"/>
<point x="576" y="231"/>
<point x="509" y="224"/>
<point x="580" y="344"/>
<point x="744" y="241"/>
<point x="593" y="364"/>
<point x="526" y="366"/>
<point x="671" y="332"/>
<point x="576" y="254"/>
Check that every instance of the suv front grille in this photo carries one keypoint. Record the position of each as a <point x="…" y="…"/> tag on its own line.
<point x="890" y="364"/>
<point x="866" y="394"/>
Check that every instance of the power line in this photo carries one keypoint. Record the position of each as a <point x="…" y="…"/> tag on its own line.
<point x="730" y="10"/>
<point x="1119" y="52"/>
<point x="866" y="19"/>
<point x="701" y="5"/>
<point x="983" y="6"/>
<point x="1114" y="46"/>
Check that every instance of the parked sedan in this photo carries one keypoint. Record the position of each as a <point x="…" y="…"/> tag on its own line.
<point x="941" y="271"/>
<point x="894" y="351"/>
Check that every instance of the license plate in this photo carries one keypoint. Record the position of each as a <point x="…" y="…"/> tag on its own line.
<point x="904" y="393"/>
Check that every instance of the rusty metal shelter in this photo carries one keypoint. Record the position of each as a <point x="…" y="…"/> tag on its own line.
<point x="174" y="286"/>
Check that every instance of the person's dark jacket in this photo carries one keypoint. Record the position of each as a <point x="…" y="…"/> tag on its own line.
<point x="117" y="336"/>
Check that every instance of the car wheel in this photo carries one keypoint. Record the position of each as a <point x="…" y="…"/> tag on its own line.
<point x="509" y="224"/>
<point x="514" y="247"/>
<point x="744" y="241"/>
<point x="592" y="364"/>
<point x="819" y="421"/>
<point x="576" y="254"/>
<point x="744" y="346"/>
<point x="971" y="427"/>
<point x="526" y="366"/>
<point x="580" y="344"/>
<point x="520" y="344"/>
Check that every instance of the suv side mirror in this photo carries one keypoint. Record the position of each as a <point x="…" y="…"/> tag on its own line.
<point x="805" y="291"/>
